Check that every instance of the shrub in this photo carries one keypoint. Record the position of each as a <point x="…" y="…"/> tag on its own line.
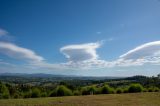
<point x="63" y="91"/>
<point x="4" y="92"/>
<point x="76" y="93"/>
<point x="92" y="90"/>
<point x="156" y="89"/>
<point x="6" y="95"/>
<point x="44" y="94"/>
<point x="153" y="89"/>
<point x="35" y="93"/>
<point x="53" y="93"/>
<point x="107" y="90"/>
<point x="98" y="91"/>
<point x="119" y="90"/>
<point x="16" y="96"/>
<point x="85" y="91"/>
<point x="150" y="89"/>
<point x="133" y="88"/>
<point x="27" y="94"/>
<point x="125" y="90"/>
<point x="145" y="90"/>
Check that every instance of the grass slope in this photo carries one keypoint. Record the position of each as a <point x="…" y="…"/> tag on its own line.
<point x="132" y="99"/>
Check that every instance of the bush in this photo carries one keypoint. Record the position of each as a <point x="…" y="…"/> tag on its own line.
<point x="153" y="89"/>
<point x="27" y="94"/>
<point x="145" y="90"/>
<point x="63" y="91"/>
<point x="76" y="93"/>
<point x="150" y="89"/>
<point x="119" y="90"/>
<point x="44" y="94"/>
<point x="6" y="95"/>
<point x="35" y="93"/>
<point x="85" y="91"/>
<point x="98" y="91"/>
<point x="156" y="89"/>
<point x="4" y="92"/>
<point x="92" y="90"/>
<point x="107" y="90"/>
<point x="133" y="88"/>
<point x="53" y="93"/>
<point x="16" y="96"/>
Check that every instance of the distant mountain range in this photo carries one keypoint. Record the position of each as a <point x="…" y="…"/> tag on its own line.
<point x="42" y="75"/>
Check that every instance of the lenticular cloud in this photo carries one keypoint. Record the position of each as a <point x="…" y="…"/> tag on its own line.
<point x="17" y="52"/>
<point x="81" y="52"/>
<point x="143" y="51"/>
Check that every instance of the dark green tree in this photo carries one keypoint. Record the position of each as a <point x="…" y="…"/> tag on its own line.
<point x="4" y="92"/>
<point x="133" y="88"/>
<point x="107" y="90"/>
<point x="35" y="93"/>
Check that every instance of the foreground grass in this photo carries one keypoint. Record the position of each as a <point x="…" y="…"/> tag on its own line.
<point x="132" y="99"/>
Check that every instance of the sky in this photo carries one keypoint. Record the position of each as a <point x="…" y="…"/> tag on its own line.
<point x="80" y="37"/>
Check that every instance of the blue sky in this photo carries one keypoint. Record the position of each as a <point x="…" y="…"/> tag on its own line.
<point x="80" y="37"/>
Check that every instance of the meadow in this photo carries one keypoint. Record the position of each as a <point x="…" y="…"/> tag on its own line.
<point x="127" y="99"/>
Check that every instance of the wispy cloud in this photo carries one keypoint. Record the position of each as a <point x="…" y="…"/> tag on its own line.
<point x="5" y="36"/>
<point x="3" y="32"/>
<point x="17" y="52"/>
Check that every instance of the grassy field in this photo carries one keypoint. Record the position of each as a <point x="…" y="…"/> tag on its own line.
<point x="134" y="99"/>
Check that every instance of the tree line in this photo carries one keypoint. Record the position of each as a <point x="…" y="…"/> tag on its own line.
<point x="8" y="91"/>
<point x="78" y="87"/>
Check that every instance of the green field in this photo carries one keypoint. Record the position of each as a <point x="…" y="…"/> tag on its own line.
<point x="132" y="99"/>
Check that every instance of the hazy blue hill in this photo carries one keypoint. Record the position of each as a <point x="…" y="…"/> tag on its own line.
<point x="42" y="75"/>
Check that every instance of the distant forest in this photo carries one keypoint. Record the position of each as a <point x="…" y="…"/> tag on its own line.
<point x="19" y="86"/>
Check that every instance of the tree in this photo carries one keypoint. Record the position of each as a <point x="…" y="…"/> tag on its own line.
<point x="53" y="93"/>
<point x="12" y="90"/>
<point x="63" y="91"/>
<point x="92" y="90"/>
<point x="4" y="92"/>
<point x="133" y="88"/>
<point x="35" y="93"/>
<point x="107" y="90"/>
<point x="119" y="90"/>
<point x="85" y="91"/>
<point x="76" y="92"/>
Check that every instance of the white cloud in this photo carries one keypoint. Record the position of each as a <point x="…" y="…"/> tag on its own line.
<point x="85" y="57"/>
<point x="145" y="50"/>
<point x="17" y="52"/>
<point x="148" y="53"/>
<point x="81" y="52"/>
<point x="5" y="36"/>
<point x="3" y="33"/>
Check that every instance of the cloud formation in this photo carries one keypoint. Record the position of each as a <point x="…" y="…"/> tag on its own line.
<point x="84" y="57"/>
<point x="80" y="57"/>
<point x="146" y="53"/>
<point x="81" y="52"/>
<point x="145" y="50"/>
<point x="17" y="52"/>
